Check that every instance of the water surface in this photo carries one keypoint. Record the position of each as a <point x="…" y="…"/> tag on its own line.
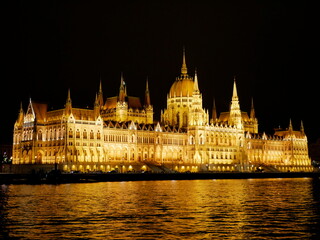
<point x="193" y="209"/>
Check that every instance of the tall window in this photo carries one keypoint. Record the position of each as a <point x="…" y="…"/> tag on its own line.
<point x="185" y="119"/>
<point x="91" y="135"/>
<point x="70" y="133"/>
<point x="78" y="133"/>
<point x="40" y="135"/>
<point x="85" y="134"/>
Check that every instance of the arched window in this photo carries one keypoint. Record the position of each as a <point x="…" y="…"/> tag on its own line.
<point x="70" y="133"/>
<point x="201" y="139"/>
<point x="185" y="119"/>
<point x="178" y="119"/>
<point x="85" y="134"/>
<point x="91" y="135"/>
<point x="191" y="140"/>
<point x="40" y="135"/>
<point x="59" y="134"/>
<point x="78" y="133"/>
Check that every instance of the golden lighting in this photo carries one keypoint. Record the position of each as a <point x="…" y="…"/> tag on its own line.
<point x="119" y="133"/>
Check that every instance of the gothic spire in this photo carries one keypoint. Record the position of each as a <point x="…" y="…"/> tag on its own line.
<point x="122" y="90"/>
<point x="290" y="125"/>
<point x="21" y="108"/>
<point x="235" y="117"/>
<point x="21" y="114"/>
<point x="100" y="94"/>
<point x="100" y="86"/>
<point x="69" y="97"/>
<point x="68" y="103"/>
<point x="96" y="108"/>
<point x="214" y="111"/>
<point x="184" y="70"/>
<point x="234" y="94"/>
<point x="96" y="101"/>
<point x="195" y="83"/>
<point x="147" y="101"/>
<point x="302" y="127"/>
<point x="252" y="112"/>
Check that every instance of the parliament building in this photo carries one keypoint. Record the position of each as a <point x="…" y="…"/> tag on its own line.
<point x="120" y="134"/>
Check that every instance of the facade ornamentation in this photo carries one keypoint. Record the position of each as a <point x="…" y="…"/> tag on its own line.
<point x="119" y="133"/>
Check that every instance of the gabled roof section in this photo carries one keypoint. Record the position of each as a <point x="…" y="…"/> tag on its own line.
<point x="134" y="102"/>
<point x="111" y="102"/>
<point x="83" y="114"/>
<point x="36" y="111"/>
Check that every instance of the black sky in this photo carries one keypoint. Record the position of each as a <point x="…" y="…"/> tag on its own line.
<point x="270" y="46"/>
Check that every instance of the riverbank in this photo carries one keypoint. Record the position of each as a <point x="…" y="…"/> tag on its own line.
<point x="59" y="178"/>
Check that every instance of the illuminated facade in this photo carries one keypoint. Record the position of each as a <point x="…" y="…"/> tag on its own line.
<point x="120" y="133"/>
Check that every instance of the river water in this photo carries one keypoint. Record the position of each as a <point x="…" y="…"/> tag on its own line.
<point x="191" y="209"/>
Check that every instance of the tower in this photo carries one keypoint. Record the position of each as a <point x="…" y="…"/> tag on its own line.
<point x="122" y="106"/>
<point x="235" y="112"/>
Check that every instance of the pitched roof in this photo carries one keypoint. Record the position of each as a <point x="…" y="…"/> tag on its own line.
<point x="40" y="111"/>
<point x="134" y="102"/>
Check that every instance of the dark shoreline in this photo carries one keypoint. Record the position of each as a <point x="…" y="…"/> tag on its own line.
<point x="61" y="178"/>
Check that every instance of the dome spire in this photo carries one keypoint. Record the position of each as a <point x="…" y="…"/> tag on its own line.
<point x="184" y="70"/>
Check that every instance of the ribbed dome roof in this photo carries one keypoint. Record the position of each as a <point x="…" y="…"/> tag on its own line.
<point x="182" y="87"/>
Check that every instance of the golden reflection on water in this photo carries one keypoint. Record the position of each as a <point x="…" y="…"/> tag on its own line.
<point x="197" y="209"/>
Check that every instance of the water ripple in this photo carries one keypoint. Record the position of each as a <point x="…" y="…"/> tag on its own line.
<point x="198" y="209"/>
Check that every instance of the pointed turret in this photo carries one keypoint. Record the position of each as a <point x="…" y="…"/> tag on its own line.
<point x="302" y="128"/>
<point x="214" y="112"/>
<point x="21" y="109"/>
<point x="122" y="90"/>
<point x="252" y="112"/>
<point x="184" y="70"/>
<point x="19" y="121"/>
<point x="96" y="108"/>
<point x="96" y="101"/>
<point x="69" y="97"/>
<point x="290" y="125"/>
<point x="100" y="94"/>
<point x="68" y="103"/>
<point x="235" y="117"/>
<point x="147" y="101"/>
<point x="234" y="93"/>
<point x="195" y="84"/>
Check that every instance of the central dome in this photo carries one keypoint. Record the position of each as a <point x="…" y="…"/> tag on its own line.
<point x="182" y="87"/>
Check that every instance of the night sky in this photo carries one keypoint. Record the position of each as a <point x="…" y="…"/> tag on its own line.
<point x="270" y="46"/>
